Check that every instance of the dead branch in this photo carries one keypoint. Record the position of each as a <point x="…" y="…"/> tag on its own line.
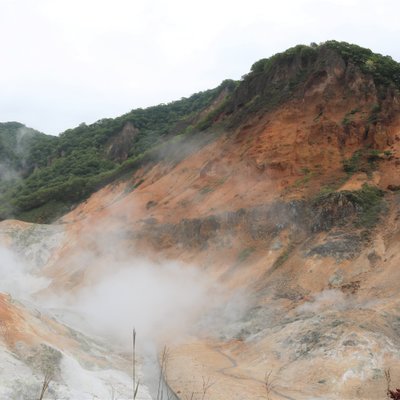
<point x="268" y="384"/>
<point x="206" y="385"/>
<point x="48" y="377"/>
<point x="163" y="366"/>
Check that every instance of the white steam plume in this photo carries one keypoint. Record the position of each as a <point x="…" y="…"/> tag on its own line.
<point x="16" y="278"/>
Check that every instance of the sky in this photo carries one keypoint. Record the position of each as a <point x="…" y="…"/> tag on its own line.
<point x="64" y="62"/>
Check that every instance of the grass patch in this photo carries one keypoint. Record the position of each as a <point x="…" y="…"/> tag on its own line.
<point x="369" y="200"/>
<point x="283" y="257"/>
<point x="210" y="188"/>
<point x="46" y="213"/>
<point x="362" y="160"/>
<point x="352" y="164"/>
<point x="374" y="115"/>
<point x="245" y="254"/>
<point x="306" y="178"/>
<point x="206" y="190"/>
<point x="131" y="188"/>
<point x="368" y="204"/>
<point x="348" y="118"/>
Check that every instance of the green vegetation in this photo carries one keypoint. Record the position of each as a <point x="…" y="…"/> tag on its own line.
<point x="305" y="170"/>
<point x="213" y="185"/>
<point x="306" y="178"/>
<point x="271" y="81"/>
<point x="387" y="153"/>
<point x="348" y="118"/>
<point x="302" y="181"/>
<point x="22" y="149"/>
<point x="267" y="65"/>
<point x="211" y="117"/>
<point x="369" y="200"/>
<point x="245" y="254"/>
<point x="329" y="188"/>
<point x="373" y="117"/>
<point x="54" y="173"/>
<point x="363" y="160"/>
<point x="384" y="70"/>
<point x="283" y="257"/>
<point x="352" y="164"/>
<point x="207" y="189"/>
<point x="47" y="212"/>
<point x="132" y="187"/>
<point x="45" y="175"/>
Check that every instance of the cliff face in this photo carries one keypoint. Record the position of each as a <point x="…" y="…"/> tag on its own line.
<point x="294" y="203"/>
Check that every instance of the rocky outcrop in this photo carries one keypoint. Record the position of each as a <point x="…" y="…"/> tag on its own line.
<point x="259" y="224"/>
<point x="119" y="146"/>
<point x="339" y="245"/>
<point x="335" y="209"/>
<point x="263" y="223"/>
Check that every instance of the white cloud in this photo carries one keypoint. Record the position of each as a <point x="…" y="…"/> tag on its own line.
<point x="68" y="61"/>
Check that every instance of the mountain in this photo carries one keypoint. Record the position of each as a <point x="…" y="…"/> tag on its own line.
<point x="65" y="170"/>
<point x="262" y="226"/>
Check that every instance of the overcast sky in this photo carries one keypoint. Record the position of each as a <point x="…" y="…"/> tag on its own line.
<point x="64" y="62"/>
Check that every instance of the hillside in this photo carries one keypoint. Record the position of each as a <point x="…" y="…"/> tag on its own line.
<point x="61" y="171"/>
<point x="66" y="169"/>
<point x="257" y="238"/>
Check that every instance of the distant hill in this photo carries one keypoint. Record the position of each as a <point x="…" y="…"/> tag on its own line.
<point x="23" y="149"/>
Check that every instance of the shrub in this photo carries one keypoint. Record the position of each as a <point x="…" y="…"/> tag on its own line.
<point x="369" y="200"/>
<point x="363" y="160"/>
<point x="245" y="253"/>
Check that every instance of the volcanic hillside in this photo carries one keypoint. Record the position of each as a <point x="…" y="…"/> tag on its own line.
<point x="283" y="188"/>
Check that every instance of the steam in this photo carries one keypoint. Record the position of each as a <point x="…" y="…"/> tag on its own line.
<point x="101" y="384"/>
<point x="161" y="300"/>
<point x="164" y="301"/>
<point x="7" y="173"/>
<point x="327" y="299"/>
<point x="334" y="300"/>
<point x="20" y="147"/>
<point x="17" y="278"/>
<point x="116" y="291"/>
